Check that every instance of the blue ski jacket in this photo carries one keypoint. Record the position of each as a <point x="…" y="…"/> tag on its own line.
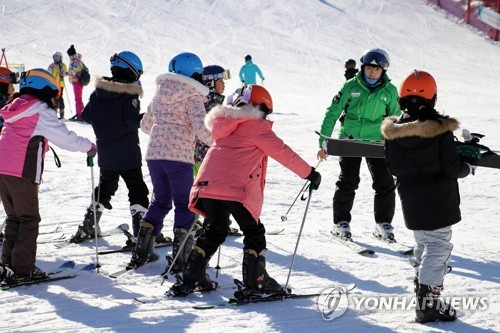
<point x="248" y="73"/>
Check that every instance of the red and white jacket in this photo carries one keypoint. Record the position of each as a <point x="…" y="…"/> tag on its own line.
<point x="29" y="124"/>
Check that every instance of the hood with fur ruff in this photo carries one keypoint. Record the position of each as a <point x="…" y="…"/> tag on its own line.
<point x="222" y="120"/>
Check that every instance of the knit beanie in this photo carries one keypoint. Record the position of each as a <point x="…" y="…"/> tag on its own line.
<point x="71" y="50"/>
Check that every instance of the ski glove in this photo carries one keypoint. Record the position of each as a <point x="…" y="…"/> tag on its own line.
<point x="315" y="179"/>
<point x="5" y="272"/>
<point x="472" y="168"/>
<point x="92" y="151"/>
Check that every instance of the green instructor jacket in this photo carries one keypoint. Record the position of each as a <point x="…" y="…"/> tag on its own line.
<point x="364" y="109"/>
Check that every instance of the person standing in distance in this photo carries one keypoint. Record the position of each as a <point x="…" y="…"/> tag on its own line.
<point x="249" y="72"/>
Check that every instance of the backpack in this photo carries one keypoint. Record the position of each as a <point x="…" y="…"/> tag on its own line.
<point x="84" y="76"/>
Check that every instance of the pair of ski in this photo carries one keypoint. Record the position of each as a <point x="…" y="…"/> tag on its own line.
<point x="365" y="251"/>
<point x="262" y="298"/>
<point x="52" y="275"/>
<point x="471" y="151"/>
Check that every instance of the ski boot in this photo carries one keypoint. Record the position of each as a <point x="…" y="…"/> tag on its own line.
<point x="342" y="230"/>
<point x="430" y="307"/>
<point x="61" y="113"/>
<point x="35" y="274"/>
<point x="384" y="231"/>
<point x="256" y="280"/>
<point x="145" y="247"/>
<point x="87" y="230"/>
<point x="179" y="235"/>
<point x="137" y="211"/>
<point x="6" y="273"/>
<point x="195" y="277"/>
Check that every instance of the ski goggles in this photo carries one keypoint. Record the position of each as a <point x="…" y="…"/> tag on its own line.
<point x="117" y="60"/>
<point x="226" y="75"/>
<point x="240" y="97"/>
<point x="375" y="59"/>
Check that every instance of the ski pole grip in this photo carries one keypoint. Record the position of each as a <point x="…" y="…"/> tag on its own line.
<point x="90" y="161"/>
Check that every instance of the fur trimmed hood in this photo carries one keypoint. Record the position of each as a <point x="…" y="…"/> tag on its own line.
<point x="203" y="90"/>
<point x="222" y="120"/>
<point x="117" y="87"/>
<point x="392" y="130"/>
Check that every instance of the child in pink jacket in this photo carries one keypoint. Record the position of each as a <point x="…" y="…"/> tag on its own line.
<point x="231" y="181"/>
<point x="174" y="116"/>
<point x="30" y="123"/>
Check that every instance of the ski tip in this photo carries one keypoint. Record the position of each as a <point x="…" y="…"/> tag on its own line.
<point x="123" y="226"/>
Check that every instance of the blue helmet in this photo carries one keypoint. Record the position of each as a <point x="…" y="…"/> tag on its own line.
<point x="39" y="81"/>
<point x="187" y="64"/>
<point x="129" y="62"/>
<point x="376" y="57"/>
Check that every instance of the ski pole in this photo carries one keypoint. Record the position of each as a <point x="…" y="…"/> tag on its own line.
<point x="298" y="238"/>
<point x="284" y="217"/>
<point x="90" y="163"/>
<point x="69" y="101"/>
<point x="181" y="249"/>
<point x="217" y="268"/>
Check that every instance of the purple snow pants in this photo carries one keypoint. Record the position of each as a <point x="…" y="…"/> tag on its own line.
<point x="172" y="181"/>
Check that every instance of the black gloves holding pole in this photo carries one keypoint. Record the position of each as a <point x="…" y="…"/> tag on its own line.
<point x="315" y="178"/>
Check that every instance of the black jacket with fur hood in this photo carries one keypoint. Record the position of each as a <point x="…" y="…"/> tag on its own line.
<point x="424" y="158"/>
<point x="113" y="110"/>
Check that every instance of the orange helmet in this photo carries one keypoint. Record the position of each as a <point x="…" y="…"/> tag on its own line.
<point x="418" y="83"/>
<point x="255" y="95"/>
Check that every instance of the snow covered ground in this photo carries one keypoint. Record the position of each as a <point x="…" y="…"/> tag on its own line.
<point x="301" y="47"/>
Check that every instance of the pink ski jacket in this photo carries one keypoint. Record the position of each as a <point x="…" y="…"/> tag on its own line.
<point x="29" y="125"/>
<point x="174" y="116"/>
<point x="234" y="168"/>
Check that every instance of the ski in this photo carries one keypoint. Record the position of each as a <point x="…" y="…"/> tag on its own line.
<point x="165" y="296"/>
<point x="66" y="266"/>
<point x="470" y="150"/>
<point x="394" y="245"/>
<point x="62" y="243"/>
<point x="265" y="299"/>
<point x="275" y="232"/>
<point x="128" y="248"/>
<point x="51" y="276"/>
<point x="47" y="230"/>
<point x="48" y="279"/>
<point x="356" y="247"/>
<point x="353" y="147"/>
<point x="44" y="240"/>
<point x="88" y="268"/>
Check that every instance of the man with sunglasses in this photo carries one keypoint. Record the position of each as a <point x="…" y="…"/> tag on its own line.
<point x="367" y="99"/>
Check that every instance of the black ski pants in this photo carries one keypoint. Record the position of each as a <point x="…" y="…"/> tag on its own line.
<point x="108" y="185"/>
<point x="347" y="184"/>
<point x="218" y="212"/>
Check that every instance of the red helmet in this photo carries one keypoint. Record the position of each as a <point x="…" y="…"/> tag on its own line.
<point x="6" y="75"/>
<point x="255" y="95"/>
<point x="418" y="83"/>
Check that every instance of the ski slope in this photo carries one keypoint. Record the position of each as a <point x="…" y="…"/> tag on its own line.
<point x="301" y="47"/>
